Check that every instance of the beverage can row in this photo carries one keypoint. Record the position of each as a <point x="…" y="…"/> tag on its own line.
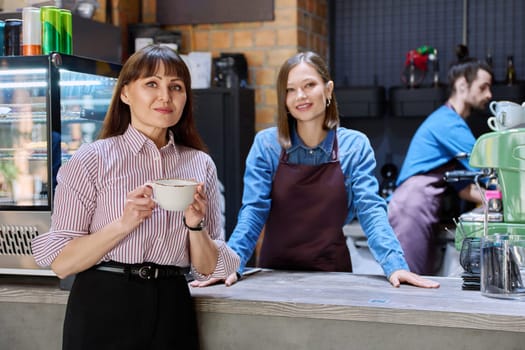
<point x="40" y="31"/>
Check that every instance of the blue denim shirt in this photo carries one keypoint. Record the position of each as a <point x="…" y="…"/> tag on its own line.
<point x="357" y="163"/>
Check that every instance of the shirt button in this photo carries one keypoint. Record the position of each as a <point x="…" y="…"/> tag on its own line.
<point x="311" y="151"/>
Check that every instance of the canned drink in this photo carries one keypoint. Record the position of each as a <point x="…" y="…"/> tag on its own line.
<point x="13" y="37"/>
<point x="50" y="18"/>
<point x="2" y="38"/>
<point x="66" y="32"/>
<point x="31" y="32"/>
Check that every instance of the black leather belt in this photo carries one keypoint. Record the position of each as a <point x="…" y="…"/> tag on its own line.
<point x="145" y="271"/>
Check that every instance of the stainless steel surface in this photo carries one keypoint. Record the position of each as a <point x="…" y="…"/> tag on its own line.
<point x="17" y="229"/>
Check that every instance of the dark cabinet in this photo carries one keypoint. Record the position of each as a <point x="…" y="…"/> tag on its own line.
<point x="418" y="102"/>
<point x="515" y="93"/>
<point x="226" y="120"/>
<point x="361" y="102"/>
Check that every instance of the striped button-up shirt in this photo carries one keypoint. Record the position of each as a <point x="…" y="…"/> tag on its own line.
<point x="91" y="193"/>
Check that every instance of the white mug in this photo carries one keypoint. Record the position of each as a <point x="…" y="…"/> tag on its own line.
<point x="507" y="115"/>
<point x="173" y="194"/>
<point x="497" y="106"/>
<point x="493" y="123"/>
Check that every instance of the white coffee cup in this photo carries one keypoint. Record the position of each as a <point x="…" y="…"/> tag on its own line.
<point x="497" y="106"/>
<point x="507" y="115"/>
<point x="173" y="194"/>
<point x="494" y="124"/>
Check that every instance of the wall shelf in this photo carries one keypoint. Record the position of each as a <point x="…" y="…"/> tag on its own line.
<point x="417" y="102"/>
<point x="515" y="93"/>
<point x="364" y="102"/>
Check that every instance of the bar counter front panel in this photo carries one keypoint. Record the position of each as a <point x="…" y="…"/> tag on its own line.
<point x="301" y="310"/>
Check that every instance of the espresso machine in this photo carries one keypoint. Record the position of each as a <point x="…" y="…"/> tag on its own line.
<point x="502" y="155"/>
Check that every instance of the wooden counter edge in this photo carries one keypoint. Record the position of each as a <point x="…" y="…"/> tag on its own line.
<point x="365" y="314"/>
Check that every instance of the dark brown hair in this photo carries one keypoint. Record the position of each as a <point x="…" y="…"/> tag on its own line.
<point x="145" y="63"/>
<point x="284" y="119"/>
<point x="467" y="67"/>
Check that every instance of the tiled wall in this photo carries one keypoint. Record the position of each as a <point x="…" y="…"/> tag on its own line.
<point x="371" y="38"/>
<point x="298" y="25"/>
<point x="498" y="27"/>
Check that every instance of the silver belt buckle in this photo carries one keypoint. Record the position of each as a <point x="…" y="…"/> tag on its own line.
<point x="145" y="272"/>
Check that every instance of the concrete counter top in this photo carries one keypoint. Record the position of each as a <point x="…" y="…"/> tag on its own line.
<point x="302" y="310"/>
<point x="351" y="297"/>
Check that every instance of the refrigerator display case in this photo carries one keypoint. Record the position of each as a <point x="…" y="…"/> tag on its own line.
<point x="49" y="106"/>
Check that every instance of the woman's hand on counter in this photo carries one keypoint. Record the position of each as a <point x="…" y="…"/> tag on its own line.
<point x="396" y="278"/>
<point x="404" y="276"/>
<point x="230" y="280"/>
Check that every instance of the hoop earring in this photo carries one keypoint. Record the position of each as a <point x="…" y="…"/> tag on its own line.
<point x="328" y="102"/>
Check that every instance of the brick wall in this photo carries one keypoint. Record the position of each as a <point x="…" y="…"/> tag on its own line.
<point x="298" y="25"/>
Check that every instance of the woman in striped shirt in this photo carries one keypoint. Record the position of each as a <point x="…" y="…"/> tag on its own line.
<point x="129" y="255"/>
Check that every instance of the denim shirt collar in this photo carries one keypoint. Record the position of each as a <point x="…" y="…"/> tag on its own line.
<point x="326" y="145"/>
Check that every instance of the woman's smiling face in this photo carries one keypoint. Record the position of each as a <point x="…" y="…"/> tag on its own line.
<point x="156" y="102"/>
<point x="307" y="93"/>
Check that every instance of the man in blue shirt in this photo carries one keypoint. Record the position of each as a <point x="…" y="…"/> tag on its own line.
<point x="415" y="205"/>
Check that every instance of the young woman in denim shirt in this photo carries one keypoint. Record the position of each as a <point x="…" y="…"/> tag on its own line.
<point x="305" y="179"/>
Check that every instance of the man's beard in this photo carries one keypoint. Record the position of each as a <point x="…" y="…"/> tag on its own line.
<point x="480" y="107"/>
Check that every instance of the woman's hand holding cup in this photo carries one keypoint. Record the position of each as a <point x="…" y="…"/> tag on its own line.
<point x="138" y="207"/>
<point x="196" y="211"/>
<point x="180" y="195"/>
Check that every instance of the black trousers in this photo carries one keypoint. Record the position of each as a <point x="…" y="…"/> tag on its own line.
<point x="109" y="311"/>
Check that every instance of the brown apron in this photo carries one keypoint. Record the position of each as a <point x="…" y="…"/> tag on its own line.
<point x="414" y="212"/>
<point x="304" y="230"/>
